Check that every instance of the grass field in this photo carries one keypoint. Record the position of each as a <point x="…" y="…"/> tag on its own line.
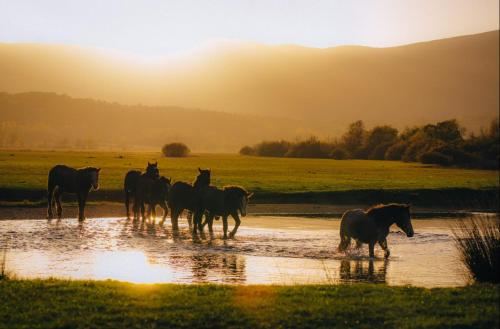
<point x="104" y="304"/>
<point x="28" y="170"/>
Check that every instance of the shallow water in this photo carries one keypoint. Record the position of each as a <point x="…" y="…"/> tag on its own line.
<point x="282" y="250"/>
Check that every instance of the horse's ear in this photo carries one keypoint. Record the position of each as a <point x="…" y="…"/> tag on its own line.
<point x="156" y="164"/>
<point x="199" y="169"/>
<point x="249" y="194"/>
<point x="169" y="180"/>
<point x="98" y="169"/>
<point x="149" y="164"/>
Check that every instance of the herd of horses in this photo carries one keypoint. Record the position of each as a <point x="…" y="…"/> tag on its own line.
<point x="148" y="190"/>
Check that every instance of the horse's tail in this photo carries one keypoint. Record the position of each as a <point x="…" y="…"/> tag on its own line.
<point x="345" y="239"/>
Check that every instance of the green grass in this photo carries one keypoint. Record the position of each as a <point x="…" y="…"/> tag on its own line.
<point x="107" y="304"/>
<point x="28" y="170"/>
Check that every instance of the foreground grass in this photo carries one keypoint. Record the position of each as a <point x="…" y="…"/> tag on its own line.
<point x="28" y="170"/>
<point x="105" y="304"/>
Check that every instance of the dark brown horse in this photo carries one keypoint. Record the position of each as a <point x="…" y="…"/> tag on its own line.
<point x="222" y="202"/>
<point x="64" y="179"/>
<point x="133" y="180"/>
<point x="183" y="195"/>
<point x="158" y="197"/>
<point x="372" y="226"/>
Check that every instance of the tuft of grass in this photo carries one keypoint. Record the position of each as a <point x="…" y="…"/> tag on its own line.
<point x="478" y="241"/>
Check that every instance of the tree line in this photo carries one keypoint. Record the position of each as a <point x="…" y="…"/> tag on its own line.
<point x="444" y="143"/>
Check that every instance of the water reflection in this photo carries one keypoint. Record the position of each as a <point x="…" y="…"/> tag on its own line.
<point x="359" y="270"/>
<point x="277" y="250"/>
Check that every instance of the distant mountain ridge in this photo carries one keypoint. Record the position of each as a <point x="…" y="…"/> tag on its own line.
<point x="323" y="88"/>
<point x="48" y="120"/>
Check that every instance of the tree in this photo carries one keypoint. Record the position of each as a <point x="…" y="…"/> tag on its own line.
<point x="175" y="150"/>
<point x="247" y="150"/>
<point x="379" y="140"/>
<point x="354" y="138"/>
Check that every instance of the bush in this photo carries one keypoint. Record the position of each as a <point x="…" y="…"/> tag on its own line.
<point x="272" y="149"/>
<point x="396" y="151"/>
<point x="175" y="150"/>
<point x="478" y="241"/>
<point x="247" y="150"/>
<point x="434" y="157"/>
<point x="310" y="148"/>
<point x="379" y="151"/>
<point x="339" y="153"/>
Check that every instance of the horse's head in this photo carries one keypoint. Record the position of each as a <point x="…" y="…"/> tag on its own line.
<point x="403" y="220"/>
<point x="244" y="202"/>
<point x="203" y="178"/>
<point x="94" y="177"/>
<point x="165" y="184"/>
<point x="152" y="170"/>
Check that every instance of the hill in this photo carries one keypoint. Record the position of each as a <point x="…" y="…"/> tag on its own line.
<point x="324" y="88"/>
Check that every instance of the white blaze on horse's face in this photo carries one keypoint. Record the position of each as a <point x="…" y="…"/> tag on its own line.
<point x="94" y="179"/>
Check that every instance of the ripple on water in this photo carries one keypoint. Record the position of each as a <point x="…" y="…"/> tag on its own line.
<point x="144" y="252"/>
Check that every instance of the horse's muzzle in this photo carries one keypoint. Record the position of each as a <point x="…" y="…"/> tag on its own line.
<point x="410" y="234"/>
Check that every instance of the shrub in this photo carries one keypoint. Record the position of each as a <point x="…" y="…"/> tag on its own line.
<point x="339" y="153"/>
<point x="175" y="150"/>
<point x="434" y="157"/>
<point x="272" y="149"/>
<point x="310" y="148"/>
<point x="396" y="151"/>
<point x="478" y="242"/>
<point x="378" y="152"/>
<point x="247" y="150"/>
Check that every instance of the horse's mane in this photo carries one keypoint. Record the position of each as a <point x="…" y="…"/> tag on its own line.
<point x="235" y="189"/>
<point x="88" y="169"/>
<point x="380" y="211"/>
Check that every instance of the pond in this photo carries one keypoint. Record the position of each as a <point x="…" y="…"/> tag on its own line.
<point x="266" y="250"/>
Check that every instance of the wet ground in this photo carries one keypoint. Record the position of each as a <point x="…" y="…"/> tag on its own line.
<point x="267" y="249"/>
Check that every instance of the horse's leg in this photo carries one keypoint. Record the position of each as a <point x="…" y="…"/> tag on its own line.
<point x="136" y="209"/>
<point x="174" y="217"/>
<point x="82" y="199"/>
<point x="209" y="219"/>
<point x="359" y="244"/>
<point x="383" y="244"/>
<point x="143" y="210"/>
<point x="371" y="247"/>
<point x="57" y="197"/>
<point x="50" y="195"/>
<point x="164" y="206"/>
<point x="236" y="225"/>
<point x="224" y="226"/>
<point x="127" y="203"/>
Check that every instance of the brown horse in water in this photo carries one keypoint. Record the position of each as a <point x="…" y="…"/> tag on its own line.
<point x="136" y="184"/>
<point x="183" y="195"/>
<point x="222" y="202"/>
<point x="372" y="226"/>
<point x="70" y="180"/>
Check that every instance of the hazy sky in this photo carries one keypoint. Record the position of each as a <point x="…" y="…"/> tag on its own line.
<point x="154" y="27"/>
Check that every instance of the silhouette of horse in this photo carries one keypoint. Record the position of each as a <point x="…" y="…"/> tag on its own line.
<point x="132" y="182"/>
<point x="222" y="202"/>
<point x="70" y="180"/>
<point x="372" y="226"/>
<point x="158" y="197"/>
<point x="183" y="195"/>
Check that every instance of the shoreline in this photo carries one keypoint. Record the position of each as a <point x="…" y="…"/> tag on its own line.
<point x="114" y="209"/>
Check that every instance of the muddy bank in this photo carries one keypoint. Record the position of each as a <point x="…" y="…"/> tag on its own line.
<point x="452" y="199"/>
<point x="110" y="209"/>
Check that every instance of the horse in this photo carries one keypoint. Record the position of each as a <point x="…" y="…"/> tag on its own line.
<point x="133" y="180"/>
<point x="70" y="180"/>
<point x="159" y="197"/>
<point x="222" y="202"/>
<point x="183" y="195"/>
<point x="372" y="226"/>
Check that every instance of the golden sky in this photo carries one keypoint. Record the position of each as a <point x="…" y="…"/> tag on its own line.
<point x="156" y="28"/>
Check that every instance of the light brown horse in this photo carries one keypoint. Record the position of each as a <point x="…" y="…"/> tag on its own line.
<point x="372" y="226"/>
